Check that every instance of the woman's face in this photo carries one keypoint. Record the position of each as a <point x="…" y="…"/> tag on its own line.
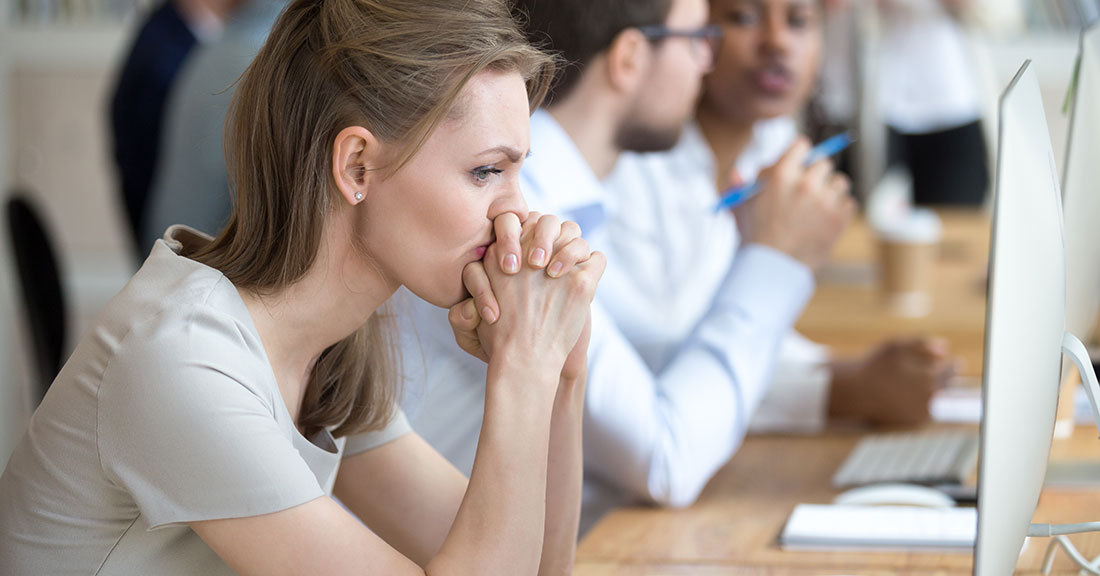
<point x="435" y="215"/>
<point x="768" y="61"/>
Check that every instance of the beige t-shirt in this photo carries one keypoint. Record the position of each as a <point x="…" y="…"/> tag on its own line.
<point x="167" y="413"/>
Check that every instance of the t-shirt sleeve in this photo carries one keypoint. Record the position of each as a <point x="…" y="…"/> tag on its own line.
<point x="186" y="424"/>
<point x="397" y="427"/>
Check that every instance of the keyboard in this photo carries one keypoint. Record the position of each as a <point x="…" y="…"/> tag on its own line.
<point x="941" y="457"/>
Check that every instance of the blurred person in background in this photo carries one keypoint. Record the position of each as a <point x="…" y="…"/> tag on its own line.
<point x="191" y="185"/>
<point x="834" y="103"/>
<point x="164" y="41"/>
<point x="931" y="100"/>
<point x="650" y="434"/>
<point x="668" y="249"/>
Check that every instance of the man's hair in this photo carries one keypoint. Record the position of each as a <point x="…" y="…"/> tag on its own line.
<point x="579" y="30"/>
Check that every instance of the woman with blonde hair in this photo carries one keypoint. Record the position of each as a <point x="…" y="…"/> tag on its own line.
<point x="237" y="384"/>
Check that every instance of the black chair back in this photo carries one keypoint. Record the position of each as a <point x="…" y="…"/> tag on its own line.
<point x="40" y="283"/>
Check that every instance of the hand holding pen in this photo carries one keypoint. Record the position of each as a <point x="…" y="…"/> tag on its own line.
<point x="736" y="195"/>
<point x="800" y="208"/>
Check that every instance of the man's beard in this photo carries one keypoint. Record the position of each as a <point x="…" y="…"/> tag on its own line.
<point x="636" y="136"/>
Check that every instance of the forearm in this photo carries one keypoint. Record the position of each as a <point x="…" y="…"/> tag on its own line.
<point x="564" y="479"/>
<point x="844" y="403"/>
<point x="662" y="435"/>
<point x="499" y="526"/>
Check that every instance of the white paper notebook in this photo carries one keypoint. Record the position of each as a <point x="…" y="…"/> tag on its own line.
<point x="963" y="405"/>
<point x="957" y="405"/>
<point x="880" y="528"/>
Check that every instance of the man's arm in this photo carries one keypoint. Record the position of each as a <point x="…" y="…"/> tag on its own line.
<point x="662" y="436"/>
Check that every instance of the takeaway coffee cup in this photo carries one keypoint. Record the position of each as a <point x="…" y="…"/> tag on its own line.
<point x="908" y="247"/>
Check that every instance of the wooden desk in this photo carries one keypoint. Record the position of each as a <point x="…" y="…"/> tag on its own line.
<point x="732" y="530"/>
<point x="847" y="312"/>
<point x="613" y="569"/>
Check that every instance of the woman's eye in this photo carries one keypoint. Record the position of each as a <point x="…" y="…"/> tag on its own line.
<point x="742" y="17"/>
<point x="799" y="21"/>
<point x="483" y="173"/>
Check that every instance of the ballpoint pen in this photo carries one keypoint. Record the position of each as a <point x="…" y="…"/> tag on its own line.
<point x="737" y="195"/>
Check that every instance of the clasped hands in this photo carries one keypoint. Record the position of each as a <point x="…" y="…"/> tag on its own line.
<point x="530" y="296"/>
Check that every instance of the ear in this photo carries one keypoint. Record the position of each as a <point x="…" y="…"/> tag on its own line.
<point x="354" y="153"/>
<point x="628" y="59"/>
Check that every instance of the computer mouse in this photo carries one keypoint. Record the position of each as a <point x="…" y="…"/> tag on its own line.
<point x="894" y="495"/>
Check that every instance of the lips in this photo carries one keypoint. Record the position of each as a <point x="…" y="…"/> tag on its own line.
<point x="775" y="80"/>
<point x="480" y="251"/>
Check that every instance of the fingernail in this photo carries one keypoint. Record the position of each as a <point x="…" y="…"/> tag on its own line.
<point x="469" y="310"/>
<point x="538" y="257"/>
<point x="488" y="315"/>
<point x="555" y="269"/>
<point x="511" y="263"/>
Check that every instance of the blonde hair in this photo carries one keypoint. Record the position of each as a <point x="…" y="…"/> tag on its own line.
<point x="395" y="67"/>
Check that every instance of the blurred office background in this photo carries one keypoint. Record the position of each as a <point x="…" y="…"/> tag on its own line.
<point x="60" y="59"/>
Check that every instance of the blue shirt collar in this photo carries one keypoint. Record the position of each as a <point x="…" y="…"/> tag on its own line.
<point x="558" y="180"/>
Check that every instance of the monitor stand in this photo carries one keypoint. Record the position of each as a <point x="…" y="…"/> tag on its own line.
<point x="1076" y="351"/>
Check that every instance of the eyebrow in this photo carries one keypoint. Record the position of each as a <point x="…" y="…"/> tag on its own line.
<point x="513" y="154"/>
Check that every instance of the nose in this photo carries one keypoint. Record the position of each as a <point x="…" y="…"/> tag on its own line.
<point x="777" y="34"/>
<point x="510" y="200"/>
<point x="706" y="53"/>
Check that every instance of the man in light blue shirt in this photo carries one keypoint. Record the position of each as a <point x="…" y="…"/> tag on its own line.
<point x="650" y="436"/>
<point x="669" y="249"/>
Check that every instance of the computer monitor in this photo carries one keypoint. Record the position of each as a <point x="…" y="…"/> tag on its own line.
<point x="1025" y="323"/>
<point x="1081" y="193"/>
<point x="1081" y="210"/>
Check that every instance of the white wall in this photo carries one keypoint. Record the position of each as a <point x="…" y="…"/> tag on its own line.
<point x="11" y="413"/>
<point x="1052" y="57"/>
<point x="54" y="86"/>
<point x="63" y="158"/>
<point x="11" y="404"/>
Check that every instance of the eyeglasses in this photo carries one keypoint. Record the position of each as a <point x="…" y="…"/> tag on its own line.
<point x="704" y="41"/>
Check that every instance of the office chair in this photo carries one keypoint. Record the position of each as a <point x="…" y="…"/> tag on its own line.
<point x="40" y="284"/>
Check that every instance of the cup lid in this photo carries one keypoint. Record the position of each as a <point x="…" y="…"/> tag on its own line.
<point x="916" y="226"/>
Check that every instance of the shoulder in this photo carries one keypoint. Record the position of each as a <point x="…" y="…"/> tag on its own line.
<point x="195" y="333"/>
<point x="656" y="182"/>
<point x="780" y="131"/>
<point x="180" y="329"/>
<point x="770" y="139"/>
<point x="179" y="332"/>
<point x="188" y="376"/>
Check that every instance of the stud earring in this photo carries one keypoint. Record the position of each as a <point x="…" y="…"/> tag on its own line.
<point x="358" y="196"/>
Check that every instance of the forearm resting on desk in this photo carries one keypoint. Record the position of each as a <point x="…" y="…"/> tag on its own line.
<point x="564" y="480"/>
<point x="662" y="435"/>
<point x="500" y="524"/>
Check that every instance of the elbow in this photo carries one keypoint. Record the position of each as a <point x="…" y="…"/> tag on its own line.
<point x="675" y="488"/>
<point x="681" y="498"/>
